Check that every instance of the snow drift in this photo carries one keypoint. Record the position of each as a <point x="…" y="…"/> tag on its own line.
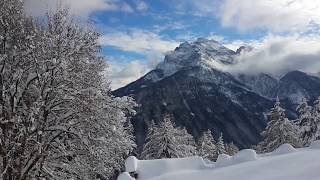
<point x="147" y="169"/>
<point x="285" y="163"/>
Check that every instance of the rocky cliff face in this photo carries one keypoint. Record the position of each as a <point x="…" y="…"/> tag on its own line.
<point x="189" y="85"/>
<point x="290" y="88"/>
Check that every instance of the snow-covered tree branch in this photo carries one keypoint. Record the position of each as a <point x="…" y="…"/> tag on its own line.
<point x="58" y="118"/>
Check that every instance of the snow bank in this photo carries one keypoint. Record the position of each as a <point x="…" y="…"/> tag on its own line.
<point x="223" y="160"/>
<point x="303" y="164"/>
<point x="284" y="149"/>
<point x="131" y="164"/>
<point x="148" y="169"/>
<point x="315" y="145"/>
<point x="285" y="163"/>
<point x="244" y="156"/>
<point x="125" y="176"/>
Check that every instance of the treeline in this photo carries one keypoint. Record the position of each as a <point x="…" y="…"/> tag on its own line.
<point x="58" y="119"/>
<point x="300" y="132"/>
<point x="167" y="141"/>
<point x="164" y="140"/>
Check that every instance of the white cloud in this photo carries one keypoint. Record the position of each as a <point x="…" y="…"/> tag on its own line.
<point x="270" y="15"/>
<point x="216" y="37"/>
<point x="78" y="7"/>
<point x="236" y="44"/>
<point x="122" y="75"/>
<point x="138" y="41"/>
<point x="274" y="15"/>
<point x="141" y="5"/>
<point x="280" y="54"/>
<point x="147" y="43"/>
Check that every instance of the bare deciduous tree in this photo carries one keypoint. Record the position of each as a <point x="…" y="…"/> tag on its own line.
<point x="58" y="118"/>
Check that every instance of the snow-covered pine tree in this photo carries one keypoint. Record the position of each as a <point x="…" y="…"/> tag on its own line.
<point x="206" y="147"/>
<point x="185" y="141"/>
<point x="58" y="118"/>
<point x="148" y="148"/>
<point x="316" y="116"/>
<point x="306" y="123"/>
<point x="231" y="149"/>
<point x="278" y="131"/>
<point x="166" y="141"/>
<point x="220" y="147"/>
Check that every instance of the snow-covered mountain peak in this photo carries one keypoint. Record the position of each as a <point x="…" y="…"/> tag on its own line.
<point x="208" y="43"/>
<point x="202" y="52"/>
<point x="244" y="49"/>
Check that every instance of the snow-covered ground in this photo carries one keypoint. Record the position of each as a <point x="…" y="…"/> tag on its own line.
<point x="285" y="163"/>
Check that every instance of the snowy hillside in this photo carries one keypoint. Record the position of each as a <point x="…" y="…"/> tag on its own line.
<point x="285" y="163"/>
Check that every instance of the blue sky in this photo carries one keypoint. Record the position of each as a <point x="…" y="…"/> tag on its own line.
<point x="136" y="34"/>
<point x="165" y="21"/>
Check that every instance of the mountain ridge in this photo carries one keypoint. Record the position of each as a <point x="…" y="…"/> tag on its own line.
<point x="190" y="84"/>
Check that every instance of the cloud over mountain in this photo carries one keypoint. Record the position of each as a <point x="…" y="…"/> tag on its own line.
<point x="138" y="41"/>
<point x="280" y="54"/>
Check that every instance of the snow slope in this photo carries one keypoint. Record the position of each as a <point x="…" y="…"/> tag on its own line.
<point x="285" y="163"/>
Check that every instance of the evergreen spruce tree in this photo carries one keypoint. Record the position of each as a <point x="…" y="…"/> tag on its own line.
<point x="206" y="147"/>
<point x="306" y="123"/>
<point x="316" y="116"/>
<point x="186" y="145"/>
<point x="278" y="131"/>
<point x="220" y="147"/>
<point x="148" y="148"/>
<point x="166" y="141"/>
<point x="231" y="149"/>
